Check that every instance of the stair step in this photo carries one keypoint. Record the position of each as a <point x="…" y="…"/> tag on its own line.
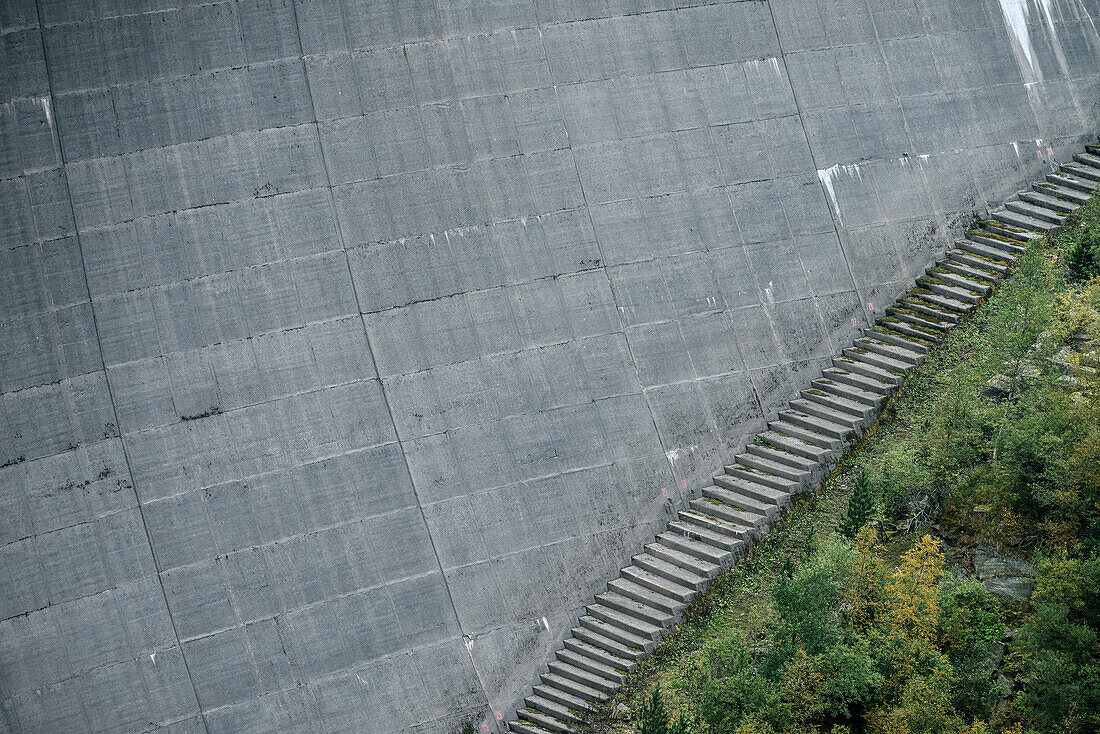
<point x="821" y="426"/>
<point x="783" y="456"/>
<point x="552" y="708"/>
<point x="824" y="441"/>
<point x="754" y="475"/>
<point x="952" y="277"/>
<point x="867" y="383"/>
<point x="974" y="272"/>
<point x="634" y="608"/>
<point x="868" y="370"/>
<point x="889" y="364"/>
<point x="601" y="656"/>
<point x="1049" y="201"/>
<point x="949" y="291"/>
<point x="1087" y="159"/>
<point x="986" y="251"/>
<point x="676" y="538"/>
<point x="675" y="574"/>
<point x="994" y="235"/>
<point x="649" y="597"/>
<point x="1085" y="172"/>
<point x="582" y="676"/>
<point x="657" y="582"/>
<point x="1072" y="182"/>
<point x="825" y="413"/>
<point x="526" y="727"/>
<point x="749" y="485"/>
<point x="572" y="687"/>
<point x="855" y="394"/>
<point x="1052" y="189"/>
<point x="739" y="508"/>
<point x="1035" y="211"/>
<point x="686" y="561"/>
<point x="626" y="636"/>
<point x="778" y="468"/>
<point x="708" y="535"/>
<point x="924" y="308"/>
<point x="796" y="446"/>
<point x="698" y="515"/>
<point x="600" y="670"/>
<point x="902" y="335"/>
<point x="895" y="352"/>
<point x="604" y="642"/>
<point x="860" y="411"/>
<point x="570" y="701"/>
<point x="942" y="302"/>
<point x="627" y="622"/>
<point x="1030" y="226"/>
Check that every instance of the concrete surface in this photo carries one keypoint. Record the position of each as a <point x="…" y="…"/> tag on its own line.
<point x="348" y="348"/>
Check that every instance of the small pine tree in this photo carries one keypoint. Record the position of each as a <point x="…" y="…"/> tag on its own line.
<point x="653" y="718"/>
<point x="861" y="507"/>
<point x="1081" y="258"/>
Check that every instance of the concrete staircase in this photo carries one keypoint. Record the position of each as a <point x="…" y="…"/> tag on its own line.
<point x="625" y="623"/>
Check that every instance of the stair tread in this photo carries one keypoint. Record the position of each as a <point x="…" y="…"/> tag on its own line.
<point x="1053" y="189"/>
<point x="677" y="538"/>
<point x="545" y="721"/>
<point x="606" y="643"/>
<point x="753" y="511"/>
<point x="825" y="441"/>
<point x="782" y="456"/>
<point x="795" y="445"/>
<point x="945" y="302"/>
<point x="572" y="702"/>
<point x="849" y="392"/>
<point x="993" y="253"/>
<point x="628" y="588"/>
<point x="838" y="403"/>
<point x="552" y="708"/>
<point x="682" y="576"/>
<point x="1035" y="211"/>
<point x="747" y="481"/>
<point x="825" y="413"/>
<point x="970" y="271"/>
<point x="625" y="605"/>
<point x="699" y="516"/>
<point x="600" y="655"/>
<point x="886" y="349"/>
<point x="587" y="677"/>
<point x="623" y="620"/>
<point x="651" y="580"/>
<point x="712" y="536"/>
<point x="1049" y="201"/>
<point x="1021" y="221"/>
<point x="683" y="560"/>
<point x="779" y="468"/>
<point x="572" y="687"/>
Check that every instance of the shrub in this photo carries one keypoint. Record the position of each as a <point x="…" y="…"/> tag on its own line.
<point x="861" y="507"/>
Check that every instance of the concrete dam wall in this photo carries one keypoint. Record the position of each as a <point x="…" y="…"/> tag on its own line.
<point x="348" y="347"/>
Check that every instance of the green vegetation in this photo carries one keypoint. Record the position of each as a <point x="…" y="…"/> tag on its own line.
<point x="865" y="611"/>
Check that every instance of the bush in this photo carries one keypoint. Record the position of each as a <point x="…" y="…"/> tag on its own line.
<point x="861" y="507"/>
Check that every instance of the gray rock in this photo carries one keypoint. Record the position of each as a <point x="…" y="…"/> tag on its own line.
<point x="1006" y="577"/>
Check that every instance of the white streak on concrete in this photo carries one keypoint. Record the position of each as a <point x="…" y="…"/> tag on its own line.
<point x="1016" y="14"/>
<point x="828" y="175"/>
<point x="45" y="101"/>
<point x="1016" y="148"/>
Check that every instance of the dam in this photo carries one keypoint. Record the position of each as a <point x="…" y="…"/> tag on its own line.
<point x="349" y="347"/>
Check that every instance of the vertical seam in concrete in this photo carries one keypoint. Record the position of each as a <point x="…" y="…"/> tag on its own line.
<point x="370" y="348"/>
<point x="810" y="147"/>
<point x="106" y="376"/>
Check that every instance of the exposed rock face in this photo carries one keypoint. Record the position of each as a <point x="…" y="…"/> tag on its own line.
<point x="1006" y="577"/>
<point x="348" y="347"/>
